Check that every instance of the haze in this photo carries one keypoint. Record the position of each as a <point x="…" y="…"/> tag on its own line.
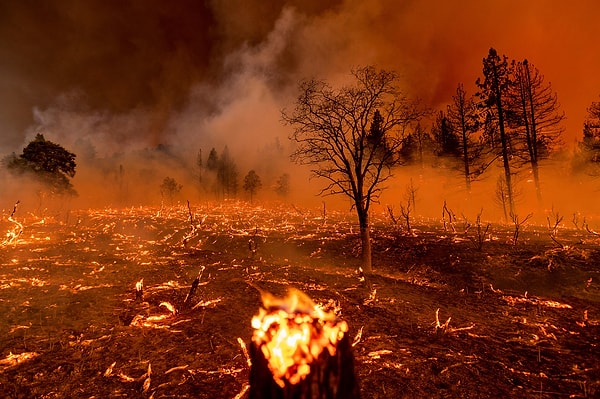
<point x="114" y="80"/>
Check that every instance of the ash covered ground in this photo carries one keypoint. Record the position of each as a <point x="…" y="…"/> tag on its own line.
<point x="444" y="315"/>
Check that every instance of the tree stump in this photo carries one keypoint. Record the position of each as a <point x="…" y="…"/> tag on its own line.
<point x="331" y="377"/>
<point x="300" y="351"/>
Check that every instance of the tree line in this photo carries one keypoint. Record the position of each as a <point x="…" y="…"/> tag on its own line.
<point x="353" y="136"/>
<point x="51" y="167"/>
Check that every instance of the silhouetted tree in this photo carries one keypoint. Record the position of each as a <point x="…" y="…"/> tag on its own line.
<point x="416" y="146"/>
<point x="463" y="118"/>
<point x="495" y="88"/>
<point x="227" y="175"/>
<point x="536" y="115"/>
<point x="282" y="185"/>
<point x="252" y="183"/>
<point x="49" y="163"/>
<point x="212" y="163"/>
<point x="446" y="140"/>
<point x="200" y="166"/>
<point x="587" y="155"/>
<point x="337" y="134"/>
<point x="170" y="188"/>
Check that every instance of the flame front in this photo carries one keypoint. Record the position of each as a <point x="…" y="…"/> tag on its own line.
<point x="292" y="337"/>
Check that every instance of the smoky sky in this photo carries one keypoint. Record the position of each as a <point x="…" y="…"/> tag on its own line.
<point x="167" y="66"/>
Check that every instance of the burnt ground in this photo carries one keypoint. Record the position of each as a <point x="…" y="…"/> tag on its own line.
<point x="517" y="321"/>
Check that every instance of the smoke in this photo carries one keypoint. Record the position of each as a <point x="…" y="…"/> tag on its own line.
<point x="137" y="89"/>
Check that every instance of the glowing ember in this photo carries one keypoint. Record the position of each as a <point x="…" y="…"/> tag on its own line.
<point x="292" y="333"/>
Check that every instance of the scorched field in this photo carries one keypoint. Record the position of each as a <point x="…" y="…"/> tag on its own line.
<point x="148" y="302"/>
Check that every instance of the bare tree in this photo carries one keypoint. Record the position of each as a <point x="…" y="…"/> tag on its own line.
<point x="536" y="113"/>
<point x="334" y="134"/>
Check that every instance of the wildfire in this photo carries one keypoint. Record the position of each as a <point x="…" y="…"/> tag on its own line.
<point x="292" y="333"/>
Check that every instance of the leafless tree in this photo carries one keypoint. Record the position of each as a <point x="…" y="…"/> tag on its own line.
<point x="481" y="232"/>
<point x="537" y="116"/>
<point x="518" y="223"/>
<point x="350" y="137"/>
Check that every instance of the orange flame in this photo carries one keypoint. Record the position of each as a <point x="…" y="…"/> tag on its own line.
<point x="292" y="333"/>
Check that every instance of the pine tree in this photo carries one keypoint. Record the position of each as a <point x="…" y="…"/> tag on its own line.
<point x="463" y="117"/>
<point x="495" y="88"/>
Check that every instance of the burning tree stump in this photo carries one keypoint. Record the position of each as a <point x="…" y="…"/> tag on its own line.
<point x="299" y="351"/>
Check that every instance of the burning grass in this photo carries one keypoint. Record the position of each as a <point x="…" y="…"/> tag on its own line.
<point x="446" y="314"/>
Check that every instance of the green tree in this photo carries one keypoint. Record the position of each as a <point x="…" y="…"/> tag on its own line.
<point x="252" y="184"/>
<point x="51" y="164"/>
<point x="333" y="134"/>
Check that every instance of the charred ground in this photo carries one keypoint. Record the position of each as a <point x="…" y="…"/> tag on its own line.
<point x="513" y="321"/>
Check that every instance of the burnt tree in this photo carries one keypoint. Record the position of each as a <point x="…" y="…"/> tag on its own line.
<point x="536" y="116"/>
<point x="350" y="136"/>
<point x="494" y="92"/>
<point x="463" y="118"/>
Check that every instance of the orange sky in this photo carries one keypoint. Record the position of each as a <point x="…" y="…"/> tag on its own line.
<point x="142" y="73"/>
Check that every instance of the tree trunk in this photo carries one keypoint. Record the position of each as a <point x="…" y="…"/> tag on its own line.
<point x="365" y="238"/>
<point x="504" y="142"/>
<point x="536" y="180"/>
<point x="331" y="377"/>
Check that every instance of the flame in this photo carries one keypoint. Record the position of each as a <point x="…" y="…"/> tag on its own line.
<point x="292" y="333"/>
